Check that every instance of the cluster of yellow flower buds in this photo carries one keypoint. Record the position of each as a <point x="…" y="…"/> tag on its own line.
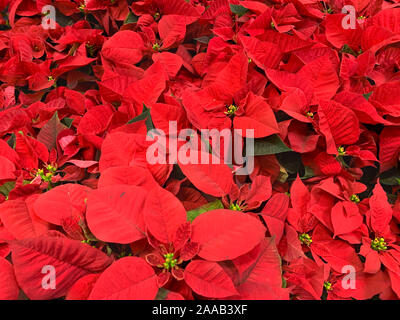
<point x="354" y="198"/>
<point x="235" y="206"/>
<point x="46" y="177"/>
<point x="327" y="285"/>
<point x="379" y="244"/>
<point x="170" y="262"/>
<point x="231" y="110"/>
<point x="305" y="239"/>
<point x="341" y="151"/>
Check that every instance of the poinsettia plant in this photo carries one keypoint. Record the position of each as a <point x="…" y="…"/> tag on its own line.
<point x="197" y="149"/>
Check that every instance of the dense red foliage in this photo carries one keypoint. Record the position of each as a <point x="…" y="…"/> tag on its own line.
<point x="79" y="196"/>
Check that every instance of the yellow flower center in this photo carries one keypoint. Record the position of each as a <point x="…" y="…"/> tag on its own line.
<point x="234" y="206"/>
<point x="327" y="285"/>
<point x="379" y="244"/>
<point x="341" y="151"/>
<point x="156" y="47"/>
<point x="169" y="262"/>
<point x="47" y="176"/>
<point x="354" y="198"/>
<point x="231" y="110"/>
<point x="305" y="239"/>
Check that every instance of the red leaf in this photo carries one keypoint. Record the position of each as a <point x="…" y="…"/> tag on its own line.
<point x="7" y="169"/>
<point x="258" y="116"/>
<point x="367" y="286"/>
<point x="81" y="289"/>
<point x="262" y="280"/>
<point x="380" y="211"/>
<point x="345" y="217"/>
<point x="163" y="214"/>
<point x="172" y="30"/>
<point x="64" y="201"/>
<point x="171" y="62"/>
<point x="224" y="234"/>
<point x="209" y="279"/>
<point x="129" y="278"/>
<point x="337" y="35"/>
<point x="274" y="214"/>
<point x="95" y="120"/>
<point x="264" y="54"/>
<point x="339" y="125"/>
<point x="19" y="221"/>
<point x="49" y="132"/>
<point x="293" y="249"/>
<point x="71" y="260"/>
<point x="123" y="47"/>
<point x="337" y="254"/>
<point x="389" y="147"/>
<point x="133" y="176"/>
<point x="8" y="285"/>
<point x="115" y="213"/>
<point x="213" y="179"/>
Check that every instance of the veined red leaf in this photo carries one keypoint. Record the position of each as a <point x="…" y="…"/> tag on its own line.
<point x="64" y="201"/>
<point x="115" y="213"/>
<point x="18" y="220"/>
<point x="209" y="279"/>
<point x="82" y="288"/>
<point x="9" y="289"/>
<point x="36" y="258"/>
<point x="254" y="284"/>
<point x="345" y="217"/>
<point x="214" y="178"/>
<point x="380" y="211"/>
<point x="124" y="47"/>
<point x="224" y="234"/>
<point x="49" y="132"/>
<point x="129" y="278"/>
<point x="7" y="169"/>
<point x="133" y="176"/>
<point x="339" y="125"/>
<point x="163" y="214"/>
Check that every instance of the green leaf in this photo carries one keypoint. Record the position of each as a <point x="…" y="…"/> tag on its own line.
<point x="6" y="188"/>
<point x="346" y="49"/>
<point x="145" y="115"/>
<point x="270" y="145"/>
<point x="238" y="9"/>
<point x="284" y="282"/>
<point x="67" y="122"/>
<point x="367" y="95"/>
<point x="308" y="173"/>
<point x="192" y="214"/>
<point x="49" y="132"/>
<point x="203" y="39"/>
<point x="291" y="161"/>
<point x="162" y="294"/>
<point x="11" y="142"/>
<point x="390" y="181"/>
<point x="131" y="18"/>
